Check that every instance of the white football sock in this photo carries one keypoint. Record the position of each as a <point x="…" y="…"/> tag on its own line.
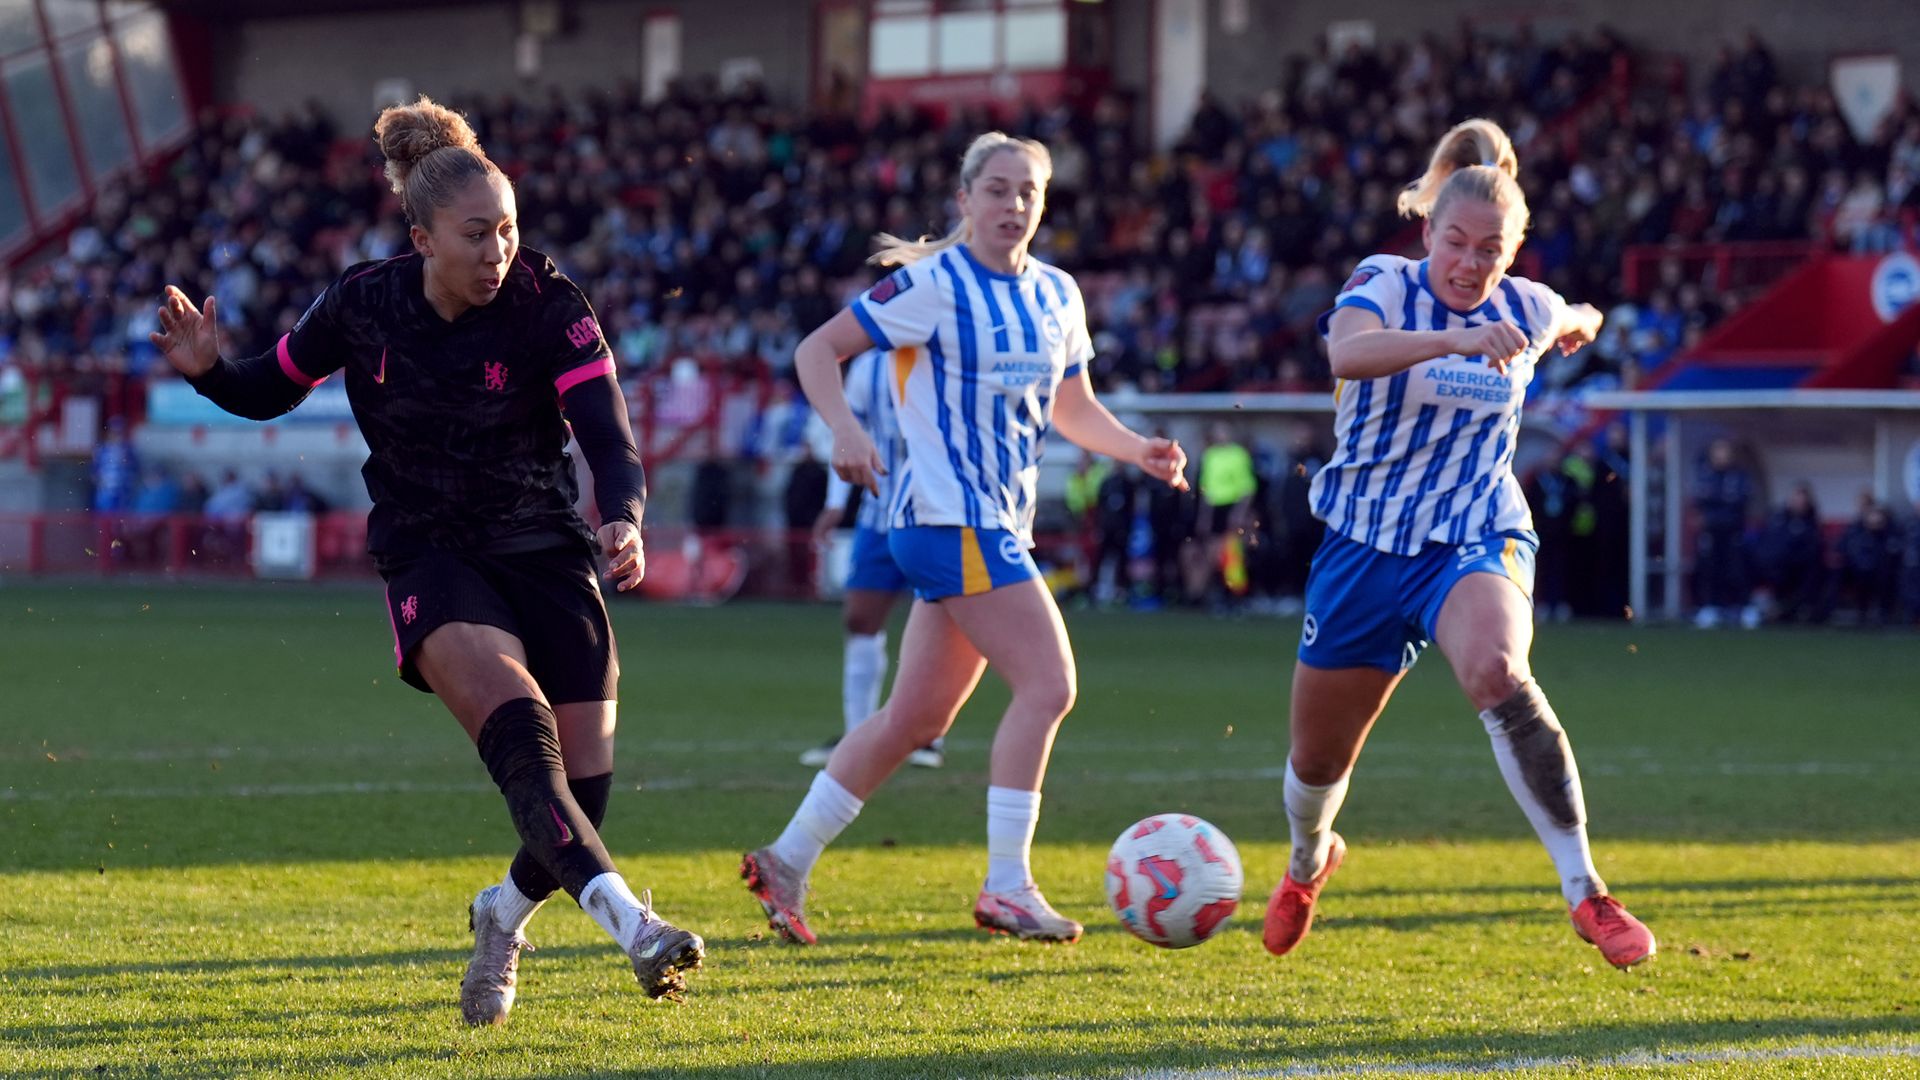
<point x="1311" y="809"/>
<point x="863" y="671"/>
<point x="826" y="811"/>
<point x="512" y="908"/>
<point x="1566" y="844"/>
<point x="1012" y="815"/>
<point x="613" y="905"/>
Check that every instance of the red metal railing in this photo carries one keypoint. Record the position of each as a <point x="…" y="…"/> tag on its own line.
<point x="683" y="563"/>
<point x="681" y="407"/>
<point x="83" y="542"/>
<point x="1719" y="267"/>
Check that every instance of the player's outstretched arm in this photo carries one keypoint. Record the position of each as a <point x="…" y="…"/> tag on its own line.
<point x="1359" y="346"/>
<point x="257" y="388"/>
<point x="1579" y="324"/>
<point x="188" y="336"/>
<point x="1082" y="419"/>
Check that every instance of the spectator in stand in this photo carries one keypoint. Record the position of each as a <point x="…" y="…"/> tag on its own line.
<point x="804" y="496"/>
<point x="301" y="499"/>
<point x="232" y="500"/>
<point x="1227" y="486"/>
<point x="730" y="220"/>
<point x="1612" y="527"/>
<point x="193" y="493"/>
<point x="115" y="470"/>
<point x="1302" y="531"/>
<point x="1790" y="561"/>
<point x="779" y="432"/>
<point x="1658" y="331"/>
<point x="228" y="509"/>
<point x="159" y="491"/>
<point x="1581" y="469"/>
<point x="1721" y="493"/>
<point x="1910" y="568"/>
<point x="1113" y="516"/>
<point x="272" y="496"/>
<point x="1548" y="491"/>
<point x="710" y="496"/>
<point x="1177" y="559"/>
<point x="1871" y="553"/>
<point x="158" y="498"/>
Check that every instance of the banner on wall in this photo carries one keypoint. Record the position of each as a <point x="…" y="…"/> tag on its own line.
<point x="1865" y="87"/>
<point x="283" y="545"/>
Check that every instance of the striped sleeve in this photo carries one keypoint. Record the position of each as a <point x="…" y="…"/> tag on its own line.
<point x="1376" y="285"/>
<point x="1079" y="338"/>
<point x="1545" y="307"/>
<point x="902" y="308"/>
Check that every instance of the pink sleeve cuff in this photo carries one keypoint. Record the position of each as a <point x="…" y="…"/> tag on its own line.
<point x="579" y="375"/>
<point x="288" y="367"/>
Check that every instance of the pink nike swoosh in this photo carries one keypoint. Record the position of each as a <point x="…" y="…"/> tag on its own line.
<point x="381" y="377"/>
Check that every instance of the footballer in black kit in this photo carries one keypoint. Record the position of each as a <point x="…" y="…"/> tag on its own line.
<point x="468" y="457"/>
<point x="469" y="362"/>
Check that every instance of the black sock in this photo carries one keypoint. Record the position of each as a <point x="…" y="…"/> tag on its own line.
<point x="591" y="792"/>
<point x="520" y="744"/>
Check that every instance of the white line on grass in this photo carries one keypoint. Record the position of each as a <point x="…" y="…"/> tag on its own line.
<point x="1631" y="1059"/>
<point x="248" y="791"/>
<point x="1619" y="761"/>
<point x="80" y="790"/>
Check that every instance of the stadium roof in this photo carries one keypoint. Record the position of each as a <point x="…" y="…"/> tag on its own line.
<point x="271" y="8"/>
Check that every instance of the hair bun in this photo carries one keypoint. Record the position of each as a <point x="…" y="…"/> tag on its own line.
<point x="408" y="133"/>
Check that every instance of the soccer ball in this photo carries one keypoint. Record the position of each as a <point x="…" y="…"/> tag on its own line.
<point x="1174" y="880"/>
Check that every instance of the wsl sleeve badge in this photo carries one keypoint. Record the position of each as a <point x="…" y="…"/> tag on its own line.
<point x="1361" y="275"/>
<point x="890" y="286"/>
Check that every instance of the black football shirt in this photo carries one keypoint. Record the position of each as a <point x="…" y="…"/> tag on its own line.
<point x="462" y="417"/>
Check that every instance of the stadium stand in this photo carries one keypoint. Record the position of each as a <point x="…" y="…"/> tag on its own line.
<point x="725" y="226"/>
<point x="713" y="229"/>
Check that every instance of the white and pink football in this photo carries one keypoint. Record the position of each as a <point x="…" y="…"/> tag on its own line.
<point x="1174" y="880"/>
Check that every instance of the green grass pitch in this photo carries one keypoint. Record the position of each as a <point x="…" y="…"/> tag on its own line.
<point x="233" y="844"/>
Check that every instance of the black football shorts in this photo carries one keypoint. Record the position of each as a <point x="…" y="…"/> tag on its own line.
<point x="549" y="599"/>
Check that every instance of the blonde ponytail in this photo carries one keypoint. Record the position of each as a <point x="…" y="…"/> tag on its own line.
<point x="1474" y="160"/>
<point x="897" y="251"/>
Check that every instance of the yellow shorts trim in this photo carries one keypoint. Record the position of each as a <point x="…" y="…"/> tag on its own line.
<point x="973" y="565"/>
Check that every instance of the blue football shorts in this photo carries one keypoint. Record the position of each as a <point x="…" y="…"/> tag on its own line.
<point x="872" y="567"/>
<point x="950" y="560"/>
<point x="1367" y="608"/>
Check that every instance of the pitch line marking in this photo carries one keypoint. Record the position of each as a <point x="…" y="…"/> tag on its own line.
<point x="1630" y="1059"/>
<point x="1063" y="777"/>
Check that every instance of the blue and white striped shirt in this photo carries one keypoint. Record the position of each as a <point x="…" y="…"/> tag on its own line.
<point x="873" y="406"/>
<point x="978" y="357"/>
<point x="1426" y="455"/>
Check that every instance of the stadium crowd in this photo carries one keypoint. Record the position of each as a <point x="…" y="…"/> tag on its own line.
<point x="726" y="225"/>
<point x="1787" y="565"/>
<point x="722" y="227"/>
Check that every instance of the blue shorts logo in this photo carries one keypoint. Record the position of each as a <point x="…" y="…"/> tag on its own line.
<point x="1309" y="629"/>
<point x="1010" y="549"/>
